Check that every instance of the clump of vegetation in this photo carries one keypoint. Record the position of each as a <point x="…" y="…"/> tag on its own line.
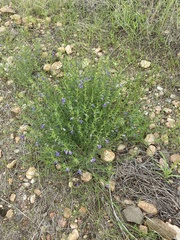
<point x="74" y="116"/>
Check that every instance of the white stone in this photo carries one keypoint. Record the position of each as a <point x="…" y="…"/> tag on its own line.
<point x="68" y="49"/>
<point x="159" y="88"/>
<point x="145" y="64"/>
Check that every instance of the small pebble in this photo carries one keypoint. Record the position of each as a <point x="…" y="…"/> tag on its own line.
<point x="73" y="225"/>
<point x="152" y="115"/>
<point x="37" y="192"/>
<point x="121" y="148"/>
<point x="12" y="197"/>
<point x="159" y="88"/>
<point x="32" y="198"/>
<point x="12" y="164"/>
<point x="26" y="184"/>
<point x="10" y="214"/>
<point x="151" y="126"/>
<point x="151" y="151"/>
<point x="16" y="151"/>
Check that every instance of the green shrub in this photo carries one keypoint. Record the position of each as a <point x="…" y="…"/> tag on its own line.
<point x="72" y="117"/>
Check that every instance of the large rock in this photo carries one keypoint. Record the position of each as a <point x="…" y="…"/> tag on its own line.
<point x="133" y="214"/>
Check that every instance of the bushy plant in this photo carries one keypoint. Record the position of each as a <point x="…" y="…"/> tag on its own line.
<point x="73" y="117"/>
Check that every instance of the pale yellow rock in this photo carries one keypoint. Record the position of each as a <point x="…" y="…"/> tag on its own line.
<point x="85" y="62"/>
<point x="26" y="184"/>
<point x="147" y="207"/>
<point x="9" y="60"/>
<point x="167" y="110"/>
<point x="30" y="173"/>
<point x="165" y="139"/>
<point x="162" y="162"/>
<point x="62" y="222"/>
<point x="121" y="148"/>
<point x="134" y="151"/>
<point x="23" y="128"/>
<point x="16" y="18"/>
<point x="100" y="54"/>
<point x="145" y="64"/>
<point x="158" y="109"/>
<point x="61" y="49"/>
<point x="47" y="67"/>
<point x="16" y="110"/>
<point x="11" y="164"/>
<point x="156" y="135"/>
<point x="143" y="229"/>
<point x="86" y="176"/>
<point x="175" y="158"/>
<point x="59" y="24"/>
<point x="0" y="153"/>
<point x="176" y="103"/>
<point x="17" y="139"/>
<point x="48" y="19"/>
<point x="10" y="181"/>
<point x="12" y="197"/>
<point x="2" y="29"/>
<point x="56" y="67"/>
<point x="151" y="151"/>
<point x="73" y="226"/>
<point x="127" y="202"/>
<point x="97" y="50"/>
<point x="70" y="184"/>
<point x="67" y="212"/>
<point x="170" y="123"/>
<point x="58" y="166"/>
<point x="152" y="125"/>
<point x="107" y="155"/>
<point x="10" y="82"/>
<point x="68" y="49"/>
<point x="7" y="9"/>
<point x="7" y="24"/>
<point x="9" y="214"/>
<point x="37" y="192"/>
<point x="83" y="210"/>
<point x="44" y="55"/>
<point x="74" y="235"/>
<point x="32" y="198"/>
<point x="152" y="115"/>
<point x="150" y="139"/>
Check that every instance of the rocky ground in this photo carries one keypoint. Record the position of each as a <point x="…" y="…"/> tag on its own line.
<point x="36" y="204"/>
